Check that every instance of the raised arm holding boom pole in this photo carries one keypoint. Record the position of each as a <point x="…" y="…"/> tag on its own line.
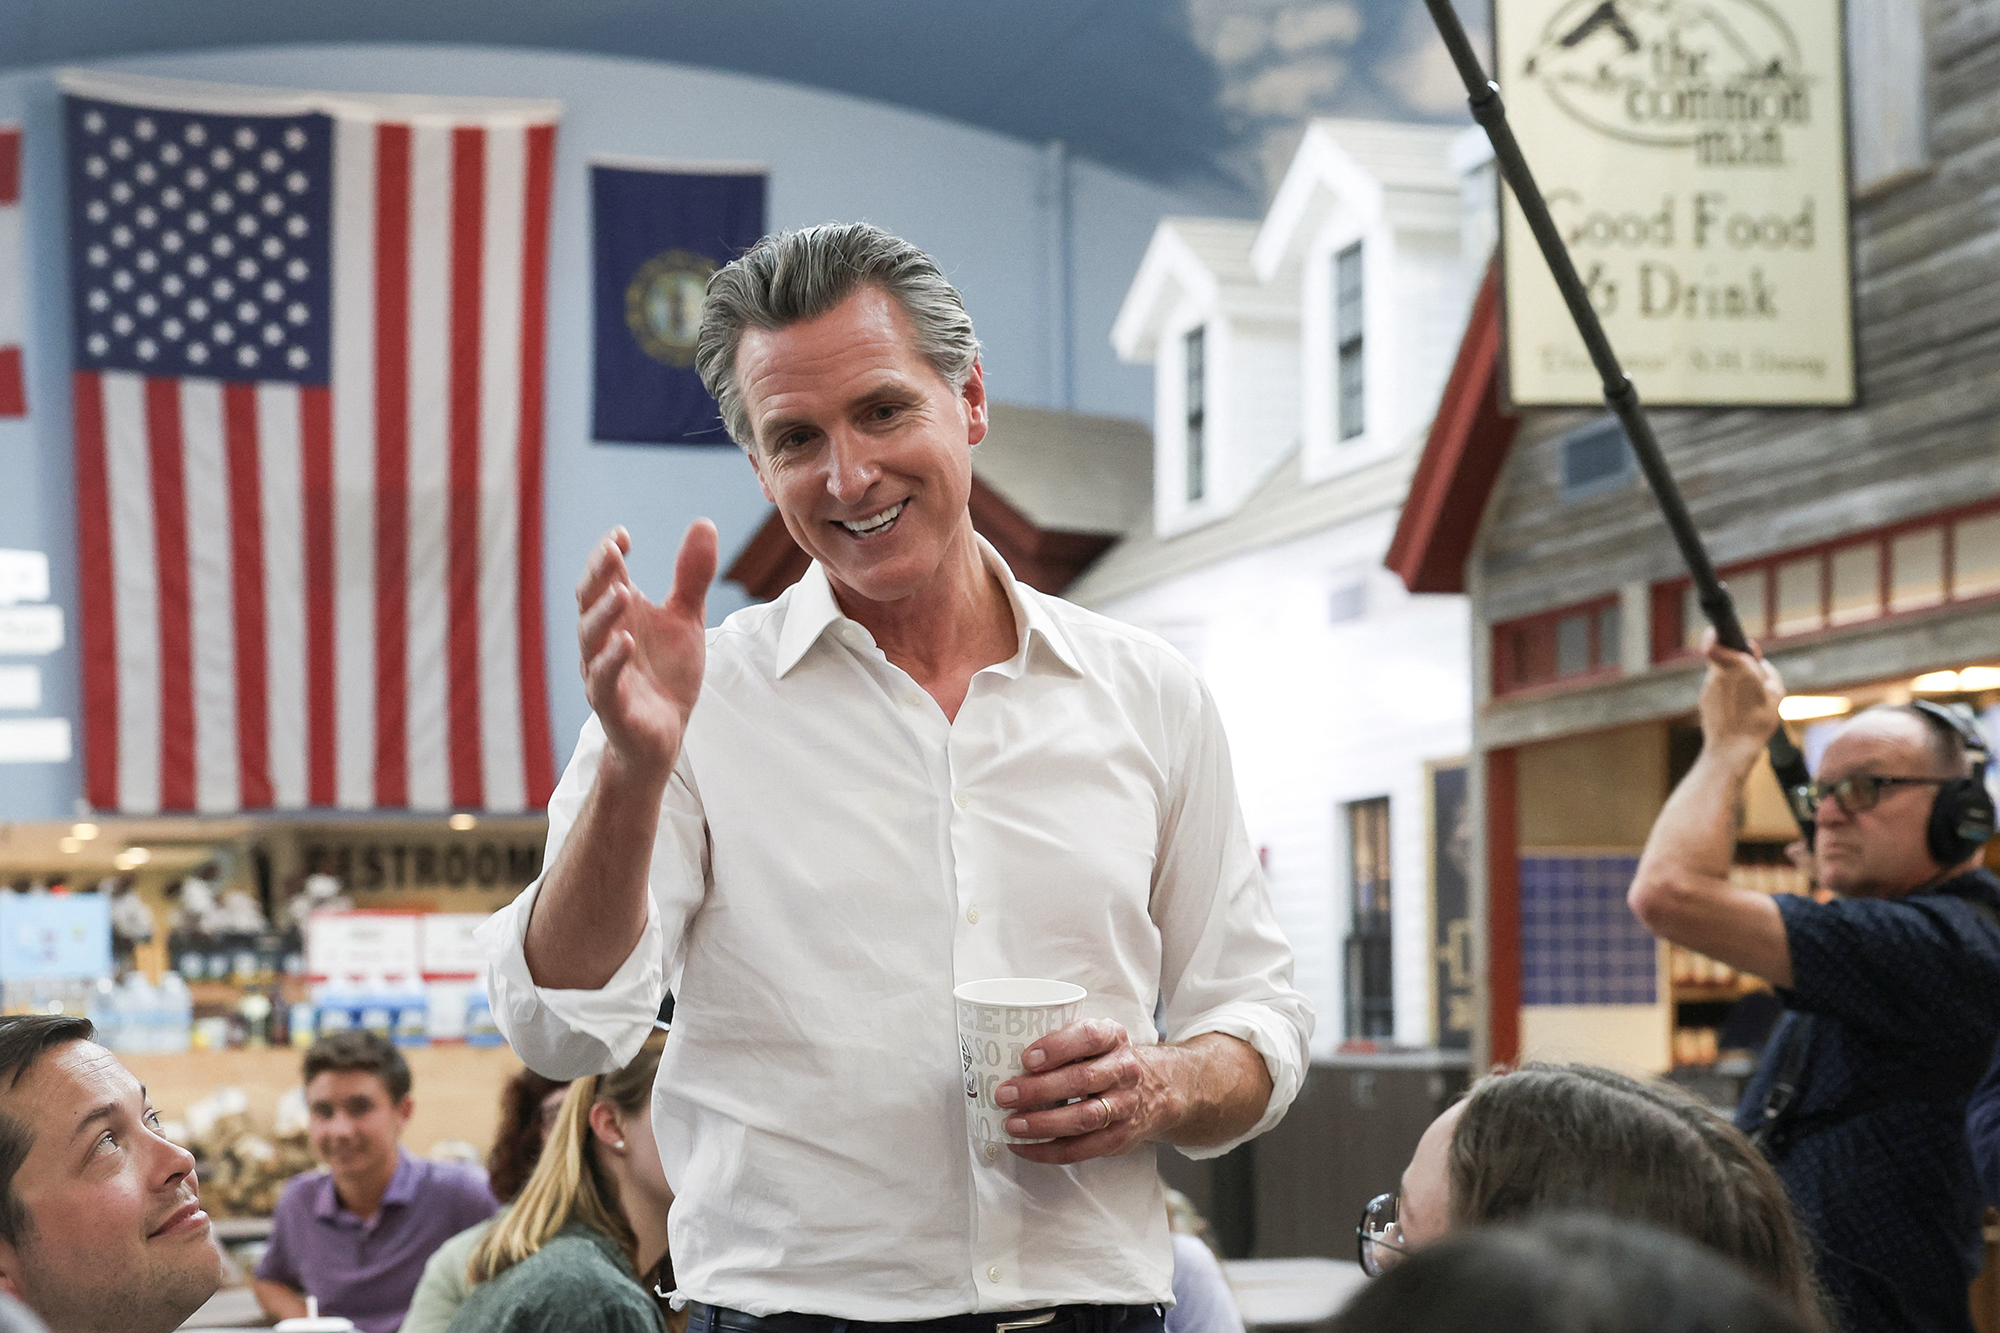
<point x="1619" y="393"/>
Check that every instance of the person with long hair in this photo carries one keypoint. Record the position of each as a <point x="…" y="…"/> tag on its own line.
<point x="529" y="1104"/>
<point x="1569" y="1273"/>
<point x="528" y="1107"/>
<point x="585" y="1241"/>
<point x="1549" y="1137"/>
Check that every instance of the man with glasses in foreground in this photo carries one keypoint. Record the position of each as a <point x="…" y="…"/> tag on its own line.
<point x="1892" y="989"/>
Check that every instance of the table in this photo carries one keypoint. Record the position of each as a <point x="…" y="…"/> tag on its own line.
<point x="232" y="1307"/>
<point x="1291" y="1293"/>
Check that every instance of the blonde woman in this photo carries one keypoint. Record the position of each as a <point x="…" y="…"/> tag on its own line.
<point x="585" y="1242"/>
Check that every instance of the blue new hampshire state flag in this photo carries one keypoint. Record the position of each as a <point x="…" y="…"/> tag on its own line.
<point x="660" y="232"/>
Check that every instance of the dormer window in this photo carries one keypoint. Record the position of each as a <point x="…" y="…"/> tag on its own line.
<point x="1196" y="418"/>
<point x="1350" y="406"/>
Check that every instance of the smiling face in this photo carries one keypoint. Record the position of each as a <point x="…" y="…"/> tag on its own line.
<point x="1878" y="853"/>
<point x="115" y="1236"/>
<point x="864" y="448"/>
<point x="354" y="1126"/>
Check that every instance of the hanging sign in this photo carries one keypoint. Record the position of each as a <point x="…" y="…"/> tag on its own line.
<point x="1694" y="159"/>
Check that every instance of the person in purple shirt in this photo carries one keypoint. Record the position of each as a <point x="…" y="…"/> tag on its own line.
<point x="356" y="1235"/>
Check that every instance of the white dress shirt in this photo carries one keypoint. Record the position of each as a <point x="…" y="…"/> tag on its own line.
<point x="833" y="857"/>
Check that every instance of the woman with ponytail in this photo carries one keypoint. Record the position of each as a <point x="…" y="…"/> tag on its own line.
<point x="528" y="1106"/>
<point x="585" y="1242"/>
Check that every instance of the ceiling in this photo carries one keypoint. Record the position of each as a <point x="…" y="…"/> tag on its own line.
<point x="1203" y="94"/>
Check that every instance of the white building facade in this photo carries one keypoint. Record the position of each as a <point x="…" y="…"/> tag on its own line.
<point x="1297" y="364"/>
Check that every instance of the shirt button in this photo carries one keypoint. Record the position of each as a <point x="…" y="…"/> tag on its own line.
<point x="963" y="800"/>
<point x="993" y="1273"/>
<point x="912" y="698"/>
<point x="991" y="1152"/>
<point x="972" y="915"/>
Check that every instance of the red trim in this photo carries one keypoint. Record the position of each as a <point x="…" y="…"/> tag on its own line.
<point x="1948" y="554"/>
<point x="468" y="233"/>
<point x="1884" y="588"/>
<point x="246" y="560"/>
<point x="1503" y="907"/>
<point x="13" y="383"/>
<point x="537" y="746"/>
<point x="1665" y="620"/>
<point x="1468" y="442"/>
<point x="1668" y="595"/>
<point x="318" y="503"/>
<point x="1534" y="638"/>
<point x="97" y="630"/>
<point x="10" y="166"/>
<point x="392" y="462"/>
<point x="170" y="560"/>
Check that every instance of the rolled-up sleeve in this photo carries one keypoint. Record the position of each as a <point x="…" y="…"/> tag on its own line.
<point x="566" y="1034"/>
<point x="1224" y="965"/>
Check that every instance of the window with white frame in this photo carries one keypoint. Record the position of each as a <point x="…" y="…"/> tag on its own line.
<point x="1195" y="412"/>
<point x="1349" y="402"/>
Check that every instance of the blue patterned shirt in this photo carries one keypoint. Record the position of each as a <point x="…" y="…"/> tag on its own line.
<point x="1905" y="999"/>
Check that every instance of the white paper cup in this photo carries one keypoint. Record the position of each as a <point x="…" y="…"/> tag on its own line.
<point x="315" y="1322"/>
<point x="997" y="1020"/>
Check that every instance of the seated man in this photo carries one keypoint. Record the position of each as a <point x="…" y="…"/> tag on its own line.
<point x="357" y="1234"/>
<point x="100" y="1228"/>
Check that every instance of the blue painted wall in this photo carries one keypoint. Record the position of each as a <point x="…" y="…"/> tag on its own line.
<point x="986" y="205"/>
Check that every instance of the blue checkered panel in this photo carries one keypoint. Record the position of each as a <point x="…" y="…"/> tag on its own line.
<point x="1580" y="943"/>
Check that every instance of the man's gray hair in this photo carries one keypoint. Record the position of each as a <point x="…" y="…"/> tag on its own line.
<point x="1946" y="742"/>
<point x="793" y="276"/>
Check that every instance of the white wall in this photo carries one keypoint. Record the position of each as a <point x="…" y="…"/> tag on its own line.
<point x="1320" y="714"/>
<point x="978" y="201"/>
<point x="1262" y="427"/>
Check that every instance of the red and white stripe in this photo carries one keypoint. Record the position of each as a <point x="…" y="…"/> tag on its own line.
<point x="13" y="386"/>
<point x="301" y="596"/>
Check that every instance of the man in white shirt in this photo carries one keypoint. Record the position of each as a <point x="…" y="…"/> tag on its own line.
<point x="907" y="772"/>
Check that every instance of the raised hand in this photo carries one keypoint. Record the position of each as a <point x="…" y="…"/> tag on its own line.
<point x="1740" y="695"/>
<point x="641" y="662"/>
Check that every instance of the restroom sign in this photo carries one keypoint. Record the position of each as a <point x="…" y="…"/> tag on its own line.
<point x="1694" y="158"/>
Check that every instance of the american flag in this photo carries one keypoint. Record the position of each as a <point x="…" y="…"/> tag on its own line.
<point x="308" y="346"/>
<point x="13" y="387"/>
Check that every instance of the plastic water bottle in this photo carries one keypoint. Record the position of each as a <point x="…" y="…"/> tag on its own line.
<point x="173" y="1007"/>
<point x="480" y="1029"/>
<point x="139" y="1005"/>
<point x="106" y="1015"/>
<point x="301" y="1025"/>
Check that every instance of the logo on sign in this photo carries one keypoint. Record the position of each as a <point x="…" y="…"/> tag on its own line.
<point x="1722" y="76"/>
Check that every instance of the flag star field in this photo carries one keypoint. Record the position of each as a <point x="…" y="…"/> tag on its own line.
<point x="201" y="242"/>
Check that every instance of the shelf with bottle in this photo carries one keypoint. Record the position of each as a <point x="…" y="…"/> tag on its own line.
<point x="1707" y="992"/>
<point x="1698" y="978"/>
<point x="1766" y="874"/>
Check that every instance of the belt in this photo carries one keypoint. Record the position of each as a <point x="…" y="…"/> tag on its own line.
<point x="1049" y="1319"/>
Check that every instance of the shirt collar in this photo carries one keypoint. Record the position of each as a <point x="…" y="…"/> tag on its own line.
<point x="402" y="1187"/>
<point x="811" y="610"/>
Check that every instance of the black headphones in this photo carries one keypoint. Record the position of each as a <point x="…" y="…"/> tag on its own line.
<point x="1962" y="817"/>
